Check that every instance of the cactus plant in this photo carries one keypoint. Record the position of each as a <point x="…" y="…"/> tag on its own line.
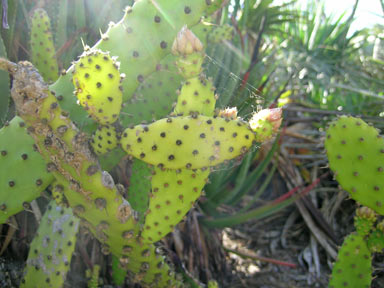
<point x="355" y="152"/>
<point x="171" y="182"/>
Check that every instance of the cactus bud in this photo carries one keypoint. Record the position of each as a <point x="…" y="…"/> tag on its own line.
<point x="186" y="43"/>
<point x="266" y="123"/>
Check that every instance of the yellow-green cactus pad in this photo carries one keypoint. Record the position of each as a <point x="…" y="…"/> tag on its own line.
<point x="190" y="142"/>
<point x="42" y="47"/>
<point x="173" y="194"/>
<point x="51" y="250"/>
<point x="98" y="86"/>
<point x="356" y="156"/>
<point x="353" y="267"/>
<point x="104" y="139"/>
<point x="24" y="173"/>
<point x="197" y="95"/>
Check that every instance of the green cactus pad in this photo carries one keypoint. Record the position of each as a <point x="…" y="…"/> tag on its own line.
<point x="104" y="139"/>
<point x="375" y="240"/>
<point x="173" y="194"/>
<point x="24" y="173"/>
<point x="188" y="142"/>
<point x="42" y="47"/>
<point x="97" y="80"/>
<point x="154" y="98"/>
<point x="139" y="186"/>
<point x="197" y="95"/>
<point x="51" y="250"/>
<point x="353" y="266"/>
<point x="356" y="156"/>
<point x="190" y="65"/>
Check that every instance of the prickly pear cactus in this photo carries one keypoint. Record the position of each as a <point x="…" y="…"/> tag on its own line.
<point x="145" y="53"/>
<point x="25" y="174"/>
<point x="51" y="250"/>
<point x="92" y="192"/>
<point x="356" y="156"/>
<point x="353" y="266"/>
<point x="181" y="148"/>
<point x="42" y="47"/>
<point x="98" y="86"/>
<point x="172" y="194"/>
<point x="177" y="142"/>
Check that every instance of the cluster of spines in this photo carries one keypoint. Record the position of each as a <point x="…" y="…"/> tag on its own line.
<point x="356" y="155"/>
<point x="42" y="47"/>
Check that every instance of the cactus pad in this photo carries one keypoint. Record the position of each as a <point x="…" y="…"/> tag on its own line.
<point x="51" y="250"/>
<point x="104" y="139"/>
<point x="375" y="240"/>
<point x="139" y="186"/>
<point x="190" y="142"/>
<point x="97" y="81"/>
<point x="24" y="173"/>
<point x="172" y="196"/>
<point x="353" y="266"/>
<point x="356" y="156"/>
<point x="43" y="49"/>
<point x="196" y="95"/>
